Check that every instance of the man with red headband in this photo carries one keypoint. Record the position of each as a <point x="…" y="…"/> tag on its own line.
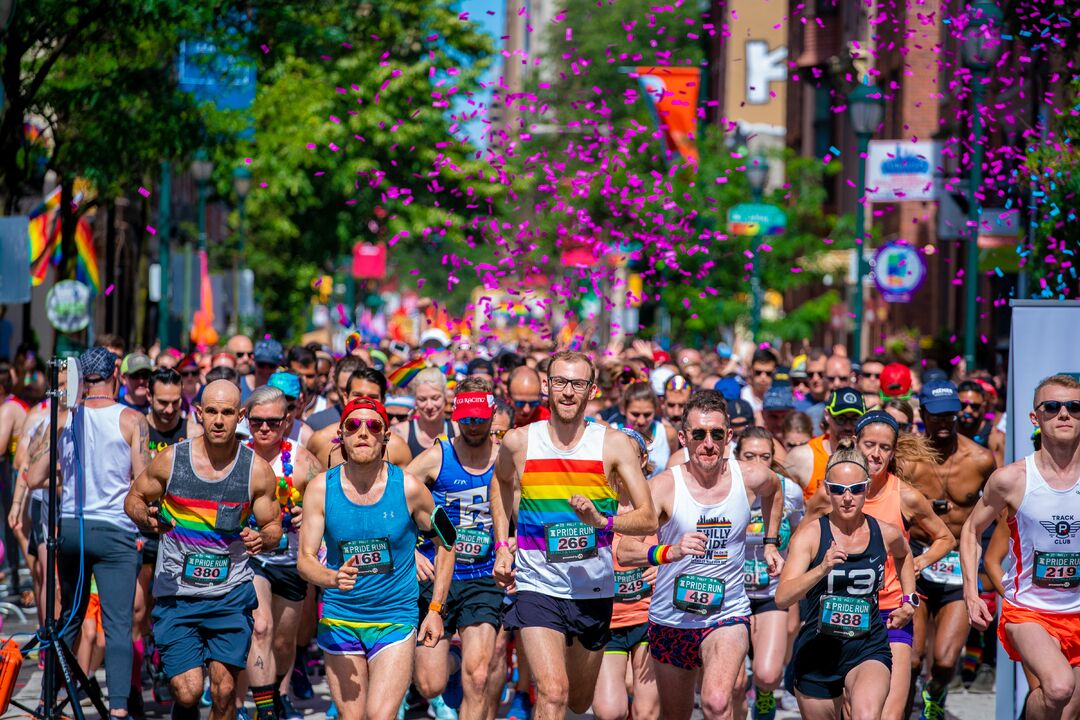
<point x="458" y="472"/>
<point x="368" y="512"/>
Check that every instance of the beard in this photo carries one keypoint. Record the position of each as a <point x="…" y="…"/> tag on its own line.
<point x="475" y="442"/>
<point x="567" y="414"/>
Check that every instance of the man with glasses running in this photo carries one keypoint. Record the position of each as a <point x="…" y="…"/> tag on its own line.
<point x="1040" y="617"/>
<point x="953" y="484"/>
<point x="807" y="462"/>
<point x="569" y="474"/>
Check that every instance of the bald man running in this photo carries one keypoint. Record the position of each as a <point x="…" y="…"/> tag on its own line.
<point x="526" y="397"/>
<point x="198" y="496"/>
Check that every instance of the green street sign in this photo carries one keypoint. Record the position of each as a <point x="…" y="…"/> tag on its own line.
<point x="752" y="219"/>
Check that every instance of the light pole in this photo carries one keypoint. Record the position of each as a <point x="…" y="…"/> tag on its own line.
<point x="757" y="174"/>
<point x="982" y="47"/>
<point x="866" y="106"/>
<point x="241" y="184"/>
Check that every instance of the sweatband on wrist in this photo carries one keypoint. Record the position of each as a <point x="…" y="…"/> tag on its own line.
<point x="658" y="555"/>
<point x="501" y="544"/>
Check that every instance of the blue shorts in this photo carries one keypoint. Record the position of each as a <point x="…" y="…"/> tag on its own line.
<point x="190" y="632"/>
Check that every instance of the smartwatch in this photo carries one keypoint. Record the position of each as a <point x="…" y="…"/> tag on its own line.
<point x="435" y="607"/>
<point x="912" y="600"/>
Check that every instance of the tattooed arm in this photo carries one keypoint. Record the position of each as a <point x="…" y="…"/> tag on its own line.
<point x="37" y="460"/>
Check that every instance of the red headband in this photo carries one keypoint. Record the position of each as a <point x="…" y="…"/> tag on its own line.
<point x="363" y="403"/>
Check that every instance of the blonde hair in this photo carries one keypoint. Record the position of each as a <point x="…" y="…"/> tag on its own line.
<point x="428" y="376"/>
<point x="1066" y="381"/>
<point x="846" y="452"/>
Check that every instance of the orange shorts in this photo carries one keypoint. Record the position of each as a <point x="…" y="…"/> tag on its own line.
<point x="93" y="611"/>
<point x="1063" y="627"/>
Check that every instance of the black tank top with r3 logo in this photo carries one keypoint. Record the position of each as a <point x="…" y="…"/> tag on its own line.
<point x="845" y="602"/>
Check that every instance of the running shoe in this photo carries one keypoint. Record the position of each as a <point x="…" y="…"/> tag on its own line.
<point x="520" y="707"/>
<point x="438" y="709"/>
<point x="933" y="708"/>
<point x="288" y="711"/>
<point x="984" y="680"/>
<point x="301" y="684"/>
<point x="764" y="707"/>
<point x="331" y="712"/>
<point x="242" y="713"/>
<point x="207" y="702"/>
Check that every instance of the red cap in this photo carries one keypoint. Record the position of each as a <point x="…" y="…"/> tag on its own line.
<point x="363" y="403"/>
<point x="661" y="357"/>
<point x="987" y="386"/>
<point x="473" y="405"/>
<point x="895" y="380"/>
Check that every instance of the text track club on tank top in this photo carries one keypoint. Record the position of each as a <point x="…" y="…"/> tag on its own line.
<point x="204" y="556"/>
<point x="558" y="555"/>
<point x="1044" y="542"/>
<point x="700" y="592"/>
<point x="465" y="498"/>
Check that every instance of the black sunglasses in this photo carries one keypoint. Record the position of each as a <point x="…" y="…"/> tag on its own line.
<point x="718" y="435"/>
<point x="1053" y="407"/>
<point x="254" y="422"/>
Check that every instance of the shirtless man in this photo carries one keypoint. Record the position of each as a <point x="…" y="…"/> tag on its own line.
<point x="952" y="486"/>
<point x="364" y="382"/>
<point x="974" y="404"/>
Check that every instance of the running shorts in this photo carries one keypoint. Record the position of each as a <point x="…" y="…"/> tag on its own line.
<point x="189" y="632"/>
<point x="625" y="639"/>
<point x="681" y="647"/>
<point x="1063" y="627"/>
<point x="285" y="581"/>
<point x="587" y="620"/>
<point x="822" y="662"/>
<point x="470" y="602"/>
<point x="355" y="637"/>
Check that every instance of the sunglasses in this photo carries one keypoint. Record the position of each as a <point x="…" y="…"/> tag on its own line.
<point x="815" y="374"/>
<point x="764" y="373"/>
<point x="255" y="422"/>
<point x="473" y="421"/>
<point x="189" y="373"/>
<point x="499" y="434"/>
<point x="374" y="425"/>
<point x="855" y="489"/>
<point x="1053" y="407"/>
<point x="872" y="376"/>
<point x="526" y="403"/>
<point x="836" y="378"/>
<point x="244" y="354"/>
<point x="718" y="435"/>
<point x="398" y="418"/>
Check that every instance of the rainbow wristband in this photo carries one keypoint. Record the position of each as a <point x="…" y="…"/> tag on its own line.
<point x="658" y="554"/>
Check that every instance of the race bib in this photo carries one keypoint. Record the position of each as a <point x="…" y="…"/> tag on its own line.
<point x="631" y="586"/>
<point x="755" y="574"/>
<point x="1057" y="570"/>
<point x="698" y="594"/>
<point x="569" y="541"/>
<point x="206" y="568"/>
<point x="945" y="571"/>
<point x="473" y="546"/>
<point x="373" y="556"/>
<point x="845" y="617"/>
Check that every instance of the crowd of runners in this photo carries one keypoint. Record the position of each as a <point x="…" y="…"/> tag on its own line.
<point x="530" y="532"/>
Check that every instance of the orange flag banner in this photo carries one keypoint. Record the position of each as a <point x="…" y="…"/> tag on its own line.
<point x="673" y="98"/>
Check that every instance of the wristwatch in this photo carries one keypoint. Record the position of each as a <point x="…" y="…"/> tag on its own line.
<point x="435" y="607"/>
<point x="912" y="600"/>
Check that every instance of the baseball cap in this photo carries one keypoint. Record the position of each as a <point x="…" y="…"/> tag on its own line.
<point x="798" y="368"/>
<point x="482" y="365"/>
<point x="782" y="375"/>
<point x="436" y="336"/>
<point x="97" y="362"/>
<point x="896" y="381"/>
<point x="269" y="352"/>
<point x="939" y="396"/>
<point x="659" y="378"/>
<point x="473" y="405"/>
<point x="287" y="383"/>
<point x="136" y="362"/>
<point x="378" y="359"/>
<point x="740" y="409"/>
<point x="723" y="350"/>
<point x="779" y="398"/>
<point x="845" y="400"/>
<point x="729" y="387"/>
<point x="634" y="435"/>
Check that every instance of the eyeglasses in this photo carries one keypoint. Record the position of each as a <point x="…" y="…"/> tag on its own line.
<point x="558" y="383"/>
<point x="473" y="421"/>
<point x="254" y="422"/>
<point x="1053" y="407"/>
<point x="855" y="488"/>
<point x="374" y="425"/>
<point x="189" y="373"/>
<point x="499" y="434"/>
<point x="526" y="403"/>
<point x="718" y="435"/>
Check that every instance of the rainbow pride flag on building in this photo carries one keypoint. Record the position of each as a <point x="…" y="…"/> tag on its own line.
<point x="44" y="238"/>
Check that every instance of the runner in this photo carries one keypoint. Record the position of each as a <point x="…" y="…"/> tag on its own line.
<point x="368" y="513"/>
<point x="975" y="403"/>
<point x="952" y="482"/>
<point x="524" y="393"/>
<point x="458" y="473"/>
<point x="368" y="383"/>
<point x="677" y="391"/>
<point x="563" y="468"/>
<point x="344" y="369"/>
<point x="836" y="566"/>
<point x="197" y="496"/>
<point x="429" y="425"/>
<point x="807" y="462"/>
<point x="769" y="637"/>
<point x="629" y="644"/>
<point x="700" y="614"/>
<point x="1040" y="617"/>
<point x="278" y="586"/>
<point x="641" y="408"/>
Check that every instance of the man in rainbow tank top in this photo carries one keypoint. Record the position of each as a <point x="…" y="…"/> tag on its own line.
<point x="564" y="576"/>
<point x="198" y="496"/>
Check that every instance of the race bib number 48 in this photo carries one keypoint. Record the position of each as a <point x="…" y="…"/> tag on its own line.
<point x="473" y="546"/>
<point x="372" y="556"/>
<point x="206" y="568"/>
<point x="569" y="541"/>
<point x="845" y="617"/>
<point x="631" y="586"/>
<point x="698" y="594"/>
<point x="1057" y="570"/>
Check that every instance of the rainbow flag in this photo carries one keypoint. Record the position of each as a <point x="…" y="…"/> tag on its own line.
<point x="546" y="487"/>
<point x="404" y="374"/>
<point x="44" y="238"/>
<point x="196" y="522"/>
<point x="87" y="269"/>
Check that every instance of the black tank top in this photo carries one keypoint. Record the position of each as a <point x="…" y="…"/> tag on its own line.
<point x="415" y="447"/>
<point x="160" y="440"/>
<point x="845" y="602"/>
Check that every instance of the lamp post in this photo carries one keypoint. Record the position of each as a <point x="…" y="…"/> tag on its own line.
<point x="982" y="47"/>
<point x="241" y="184"/>
<point x="867" y="107"/>
<point x="757" y="174"/>
<point x="201" y="170"/>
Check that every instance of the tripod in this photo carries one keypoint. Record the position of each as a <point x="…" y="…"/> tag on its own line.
<point x="59" y="656"/>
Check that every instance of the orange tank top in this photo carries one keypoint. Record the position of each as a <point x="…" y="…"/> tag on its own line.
<point x="821" y="460"/>
<point x="632" y="592"/>
<point x="885" y="507"/>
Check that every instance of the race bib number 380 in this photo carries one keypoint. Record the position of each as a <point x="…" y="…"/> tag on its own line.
<point x="206" y="568"/>
<point x="1057" y="570"/>
<point x="845" y="617"/>
<point x="698" y="594"/>
<point x="372" y="556"/>
<point x="568" y="541"/>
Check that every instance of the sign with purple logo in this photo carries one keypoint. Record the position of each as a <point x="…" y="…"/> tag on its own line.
<point x="899" y="271"/>
<point x="899" y="171"/>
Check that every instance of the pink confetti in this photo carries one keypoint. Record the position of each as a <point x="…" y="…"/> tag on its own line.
<point x="144" y="192"/>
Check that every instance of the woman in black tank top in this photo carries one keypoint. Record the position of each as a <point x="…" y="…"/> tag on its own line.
<point x="834" y="570"/>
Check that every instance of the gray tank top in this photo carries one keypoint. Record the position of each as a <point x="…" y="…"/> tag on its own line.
<point x="203" y="556"/>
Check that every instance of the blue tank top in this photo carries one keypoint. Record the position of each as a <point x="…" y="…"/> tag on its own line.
<point x="383" y="534"/>
<point x="465" y="497"/>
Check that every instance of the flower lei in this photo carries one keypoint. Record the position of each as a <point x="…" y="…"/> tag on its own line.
<point x="288" y="496"/>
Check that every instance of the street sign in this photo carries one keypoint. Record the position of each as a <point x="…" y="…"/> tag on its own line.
<point x="899" y="270"/>
<point x="752" y="219"/>
<point x="898" y="171"/>
<point x="67" y="305"/>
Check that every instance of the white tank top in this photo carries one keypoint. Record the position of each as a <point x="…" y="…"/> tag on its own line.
<point x="558" y="555"/>
<point x="93" y="439"/>
<point x="700" y="592"/>
<point x="1045" y="545"/>
<point x="659" y="449"/>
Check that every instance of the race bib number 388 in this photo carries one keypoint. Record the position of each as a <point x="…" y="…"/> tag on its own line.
<point x="845" y="617"/>
<point x="372" y="556"/>
<point x="1057" y="570"/>
<point x="569" y="541"/>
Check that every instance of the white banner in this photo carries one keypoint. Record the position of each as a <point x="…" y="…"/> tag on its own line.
<point x="901" y="170"/>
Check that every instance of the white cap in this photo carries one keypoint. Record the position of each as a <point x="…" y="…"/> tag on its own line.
<point x="660" y="376"/>
<point x="435" y="335"/>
